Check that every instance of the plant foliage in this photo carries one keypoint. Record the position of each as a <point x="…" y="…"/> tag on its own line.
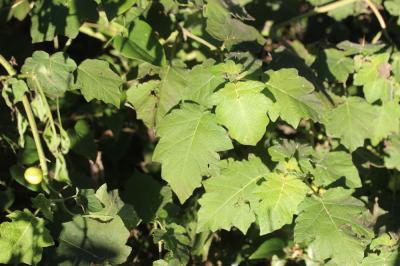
<point x="200" y="132"/>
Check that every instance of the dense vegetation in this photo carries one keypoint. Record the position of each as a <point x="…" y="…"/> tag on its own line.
<point x="190" y="132"/>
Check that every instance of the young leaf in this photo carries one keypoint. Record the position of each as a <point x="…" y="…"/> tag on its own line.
<point x="351" y="122"/>
<point x="289" y="149"/>
<point x="85" y="241"/>
<point x="228" y="196"/>
<point x="141" y="44"/>
<point x="330" y="226"/>
<point x="242" y="109"/>
<point x="112" y="204"/>
<point x="182" y="151"/>
<point x="176" y="240"/>
<point x="277" y="200"/>
<point x="97" y="81"/>
<point x="53" y="72"/>
<point x="45" y="205"/>
<point x="113" y="207"/>
<point x="22" y="240"/>
<point x="13" y="91"/>
<point x="294" y="97"/>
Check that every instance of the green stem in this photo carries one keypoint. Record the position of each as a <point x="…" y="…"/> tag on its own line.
<point x="333" y="6"/>
<point x="7" y="66"/>
<point x="187" y="33"/>
<point x="58" y="113"/>
<point x="35" y="133"/>
<point x="31" y="120"/>
<point x="20" y="76"/>
<point x="67" y="44"/>
<point x="317" y="10"/>
<point x="46" y="104"/>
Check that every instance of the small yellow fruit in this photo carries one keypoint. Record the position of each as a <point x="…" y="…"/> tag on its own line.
<point x="33" y="175"/>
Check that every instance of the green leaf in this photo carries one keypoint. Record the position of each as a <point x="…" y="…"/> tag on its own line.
<point x="330" y="226"/>
<point x="129" y="216"/>
<point x="146" y="195"/>
<point x="372" y="72"/>
<point x="176" y="240"/>
<point x="57" y="17"/>
<point x="379" y="89"/>
<point x="160" y="263"/>
<point x="351" y="122"/>
<point x="384" y="258"/>
<point x="384" y="241"/>
<point x="22" y="240"/>
<point x="387" y="121"/>
<point x="53" y="72"/>
<point x="182" y="151"/>
<point x="143" y="97"/>
<point x="116" y="7"/>
<point x="13" y="91"/>
<point x="7" y="198"/>
<point x="29" y="153"/>
<point x="113" y="207"/>
<point x="331" y="166"/>
<point x="228" y="196"/>
<point x="230" y="30"/>
<point x="141" y="44"/>
<point x="388" y="253"/>
<point x="152" y="100"/>
<point x="351" y="8"/>
<point x="45" y="205"/>
<point x="351" y="48"/>
<point x="333" y="65"/>
<point x="288" y="150"/>
<point x="277" y="200"/>
<point x="112" y="204"/>
<point x="97" y="81"/>
<point x="242" y="109"/>
<point x="269" y="248"/>
<point x="392" y="149"/>
<point x="87" y="198"/>
<point x="393" y="7"/>
<point x="172" y="90"/>
<point x="20" y="10"/>
<point x="84" y="241"/>
<point x="201" y="82"/>
<point x="294" y="97"/>
<point x="82" y="140"/>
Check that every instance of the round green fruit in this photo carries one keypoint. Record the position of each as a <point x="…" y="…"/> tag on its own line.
<point x="33" y="175"/>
